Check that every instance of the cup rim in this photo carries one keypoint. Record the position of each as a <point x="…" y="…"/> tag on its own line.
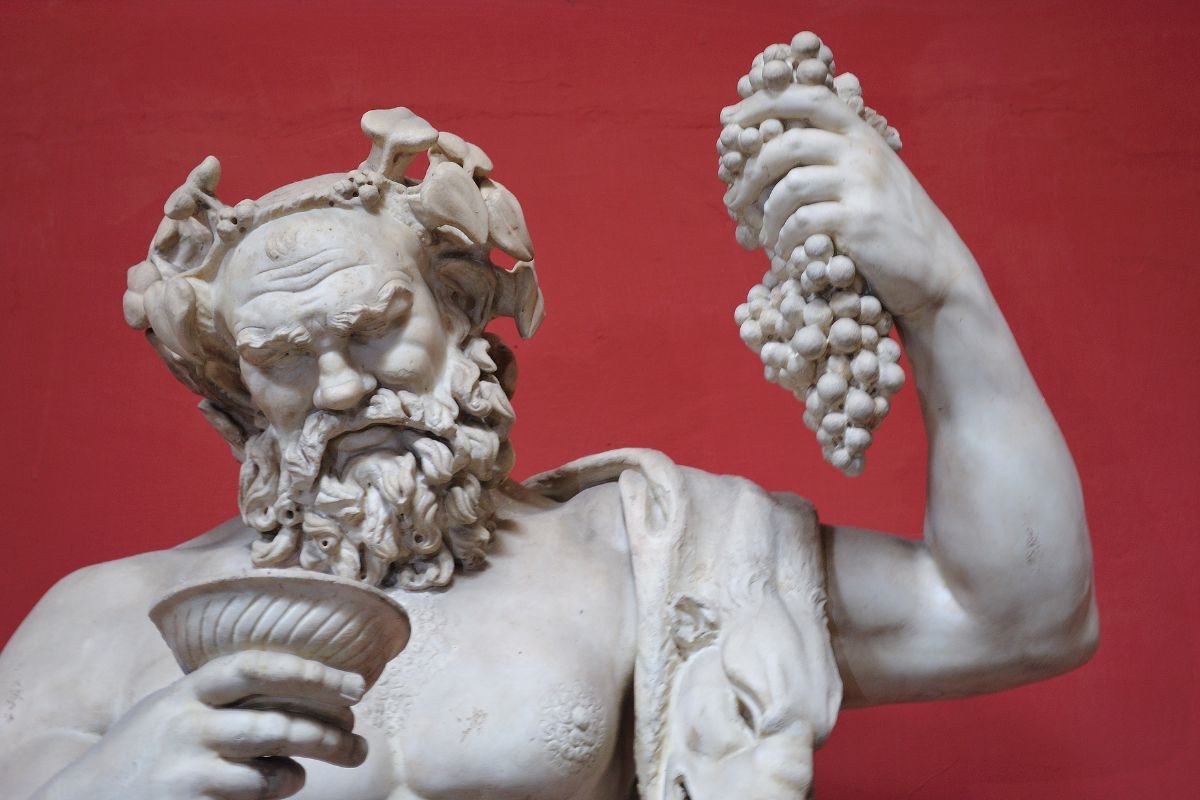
<point x="284" y="582"/>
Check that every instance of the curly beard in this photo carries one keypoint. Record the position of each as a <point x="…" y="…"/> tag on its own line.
<point x="396" y="493"/>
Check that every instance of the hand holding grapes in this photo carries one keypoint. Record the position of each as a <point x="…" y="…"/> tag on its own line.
<point x="825" y="163"/>
<point x="814" y="180"/>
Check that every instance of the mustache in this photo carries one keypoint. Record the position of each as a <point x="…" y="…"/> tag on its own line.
<point x="429" y="415"/>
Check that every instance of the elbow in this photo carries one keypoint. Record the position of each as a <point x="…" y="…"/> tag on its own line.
<point x="1056" y="620"/>
<point x="1065" y="647"/>
<point x="1083" y="640"/>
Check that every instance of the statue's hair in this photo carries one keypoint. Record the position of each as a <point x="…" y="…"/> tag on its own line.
<point x="458" y="212"/>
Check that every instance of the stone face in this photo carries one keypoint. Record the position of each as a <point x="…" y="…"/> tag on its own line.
<point x="335" y="330"/>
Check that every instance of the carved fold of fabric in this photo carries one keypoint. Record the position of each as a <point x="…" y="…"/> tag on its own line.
<point x="735" y="679"/>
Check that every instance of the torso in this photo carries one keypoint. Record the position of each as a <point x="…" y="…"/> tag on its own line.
<point x="516" y="682"/>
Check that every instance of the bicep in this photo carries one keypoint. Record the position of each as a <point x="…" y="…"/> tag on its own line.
<point x="899" y="631"/>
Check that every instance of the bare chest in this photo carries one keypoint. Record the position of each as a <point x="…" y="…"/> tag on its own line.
<point x="513" y="686"/>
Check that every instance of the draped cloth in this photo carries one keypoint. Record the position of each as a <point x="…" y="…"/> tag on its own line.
<point x="735" y="681"/>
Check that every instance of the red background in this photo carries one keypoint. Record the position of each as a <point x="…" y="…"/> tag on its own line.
<point x="1059" y="137"/>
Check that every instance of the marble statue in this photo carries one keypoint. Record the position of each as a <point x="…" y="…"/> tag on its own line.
<point x="620" y="627"/>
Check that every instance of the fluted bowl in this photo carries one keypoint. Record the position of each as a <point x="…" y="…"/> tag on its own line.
<point x="342" y="623"/>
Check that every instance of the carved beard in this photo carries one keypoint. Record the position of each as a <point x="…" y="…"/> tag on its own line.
<point x="400" y="503"/>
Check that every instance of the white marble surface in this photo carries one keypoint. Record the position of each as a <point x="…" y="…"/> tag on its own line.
<point x="620" y="616"/>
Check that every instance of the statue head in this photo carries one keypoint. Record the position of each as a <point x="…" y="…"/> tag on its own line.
<point x="335" y="329"/>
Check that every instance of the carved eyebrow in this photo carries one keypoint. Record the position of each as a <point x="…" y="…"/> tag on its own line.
<point x="257" y="342"/>
<point x="373" y="318"/>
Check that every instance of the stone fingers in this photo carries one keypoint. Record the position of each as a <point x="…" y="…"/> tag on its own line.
<point x="795" y="147"/>
<point x="230" y="679"/>
<point x="813" y="105"/>
<point x="801" y="186"/>
<point x="806" y="221"/>
<point x="245" y="734"/>
<point x="260" y="779"/>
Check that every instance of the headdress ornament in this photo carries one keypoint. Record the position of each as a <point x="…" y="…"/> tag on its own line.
<point x="456" y="207"/>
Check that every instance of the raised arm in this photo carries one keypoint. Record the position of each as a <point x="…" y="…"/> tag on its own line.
<point x="999" y="592"/>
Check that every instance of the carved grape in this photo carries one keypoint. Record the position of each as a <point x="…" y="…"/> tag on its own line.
<point x="813" y="321"/>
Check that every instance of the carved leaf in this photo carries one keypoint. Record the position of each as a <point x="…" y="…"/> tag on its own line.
<point x="171" y="310"/>
<point x="519" y="297"/>
<point x="449" y="197"/>
<point x="452" y="147"/>
<point x="506" y="221"/>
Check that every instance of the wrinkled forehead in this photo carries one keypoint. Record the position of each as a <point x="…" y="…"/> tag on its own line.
<point x="297" y="252"/>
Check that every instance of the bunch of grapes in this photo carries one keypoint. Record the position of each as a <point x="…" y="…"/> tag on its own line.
<point x="819" y="330"/>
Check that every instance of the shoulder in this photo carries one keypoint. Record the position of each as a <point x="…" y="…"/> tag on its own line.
<point x="94" y="623"/>
<point x="576" y="477"/>
<point x="589" y="518"/>
<point x="659" y="512"/>
<point x="99" y="592"/>
<point x="649" y="477"/>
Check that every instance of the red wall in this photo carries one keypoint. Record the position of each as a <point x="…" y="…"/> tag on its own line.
<point x="1059" y="137"/>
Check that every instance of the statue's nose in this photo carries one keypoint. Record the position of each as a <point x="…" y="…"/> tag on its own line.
<point x="341" y="386"/>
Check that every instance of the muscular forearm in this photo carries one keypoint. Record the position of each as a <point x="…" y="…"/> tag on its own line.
<point x="1005" y="520"/>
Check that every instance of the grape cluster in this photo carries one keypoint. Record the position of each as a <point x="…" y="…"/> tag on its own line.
<point x="820" y="332"/>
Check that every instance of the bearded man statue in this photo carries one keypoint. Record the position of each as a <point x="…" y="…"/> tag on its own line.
<point x="386" y="484"/>
<point x="620" y="627"/>
<point x="371" y="434"/>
